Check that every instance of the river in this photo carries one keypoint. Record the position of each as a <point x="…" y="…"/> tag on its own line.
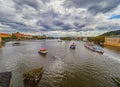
<point x="62" y="67"/>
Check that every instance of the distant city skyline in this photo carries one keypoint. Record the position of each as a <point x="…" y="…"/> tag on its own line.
<point x="60" y="17"/>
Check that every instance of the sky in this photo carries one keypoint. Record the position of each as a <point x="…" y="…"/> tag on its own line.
<point x="60" y="17"/>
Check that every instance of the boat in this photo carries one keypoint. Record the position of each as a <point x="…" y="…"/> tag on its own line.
<point x="98" y="49"/>
<point x="16" y="43"/>
<point x="94" y="48"/>
<point x="6" y="79"/>
<point x="43" y="51"/>
<point x="32" y="77"/>
<point x="117" y="80"/>
<point x="73" y="46"/>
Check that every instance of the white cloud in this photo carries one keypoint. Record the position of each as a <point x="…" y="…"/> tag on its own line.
<point x="72" y="19"/>
<point x="3" y="26"/>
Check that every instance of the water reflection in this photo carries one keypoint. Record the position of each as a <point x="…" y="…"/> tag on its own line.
<point x="116" y="49"/>
<point x="43" y="55"/>
<point x="0" y="45"/>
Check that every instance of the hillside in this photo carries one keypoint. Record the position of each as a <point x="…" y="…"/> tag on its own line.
<point x="111" y="33"/>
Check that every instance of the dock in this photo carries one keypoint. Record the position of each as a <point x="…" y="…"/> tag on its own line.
<point x="32" y="77"/>
<point x="5" y="79"/>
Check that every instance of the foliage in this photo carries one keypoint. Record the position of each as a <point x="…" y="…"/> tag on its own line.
<point x="97" y="40"/>
<point x="111" y="33"/>
<point x="5" y="39"/>
<point x="13" y="36"/>
<point x="39" y="37"/>
<point x="66" y="38"/>
<point x="50" y="37"/>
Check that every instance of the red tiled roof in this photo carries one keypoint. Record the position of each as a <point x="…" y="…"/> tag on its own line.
<point x="4" y="34"/>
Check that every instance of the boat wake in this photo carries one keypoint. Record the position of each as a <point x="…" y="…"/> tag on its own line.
<point x="112" y="57"/>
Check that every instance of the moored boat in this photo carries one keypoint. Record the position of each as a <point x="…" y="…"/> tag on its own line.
<point x="16" y="43"/>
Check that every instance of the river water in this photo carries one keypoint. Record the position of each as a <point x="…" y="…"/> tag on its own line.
<point x="62" y="67"/>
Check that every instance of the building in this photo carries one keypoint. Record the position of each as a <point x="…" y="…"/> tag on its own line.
<point x="112" y="41"/>
<point x="21" y="36"/>
<point x="4" y="35"/>
<point x="18" y="35"/>
<point x="28" y="36"/>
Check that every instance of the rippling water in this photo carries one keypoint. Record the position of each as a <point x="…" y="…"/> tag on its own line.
<point x="62" y="67"/>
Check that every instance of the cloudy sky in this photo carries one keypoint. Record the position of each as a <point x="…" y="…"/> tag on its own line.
<point x="60" y="17"/>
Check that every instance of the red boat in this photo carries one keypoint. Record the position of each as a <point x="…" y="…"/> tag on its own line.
<point x="43" y="51"/>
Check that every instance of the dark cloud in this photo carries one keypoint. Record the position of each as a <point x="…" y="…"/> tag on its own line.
<point x="47" y="27"/>
<point x="99" y="8"/>
<point x="111" y="27"/>
<point x="80" y="3"/>
<point x="4" y="15"/>
<point x="51" y="13"/>
<point x="93" y="6"/>
<point x="32" y="3"/>
<point x="58" y="23"/>
<point x="30" y="16"/>
<point x="102" y="28"/>
<point x="19" y="26"/>
<point x="78" y="25"/>
<point x="46" y="1"/>
<point x="85" y="30"/>
<point x="66" y="27"/>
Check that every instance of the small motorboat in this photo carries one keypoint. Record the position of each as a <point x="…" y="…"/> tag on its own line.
<point x="16" y="43"/>
<point x="73" y="46"/>
<point x="43" y="51"/>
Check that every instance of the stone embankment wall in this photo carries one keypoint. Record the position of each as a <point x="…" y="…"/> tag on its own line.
<point x="112" y="41"/>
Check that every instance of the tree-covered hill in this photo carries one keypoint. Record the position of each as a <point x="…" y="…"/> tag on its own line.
<point x="111" y="33"/>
